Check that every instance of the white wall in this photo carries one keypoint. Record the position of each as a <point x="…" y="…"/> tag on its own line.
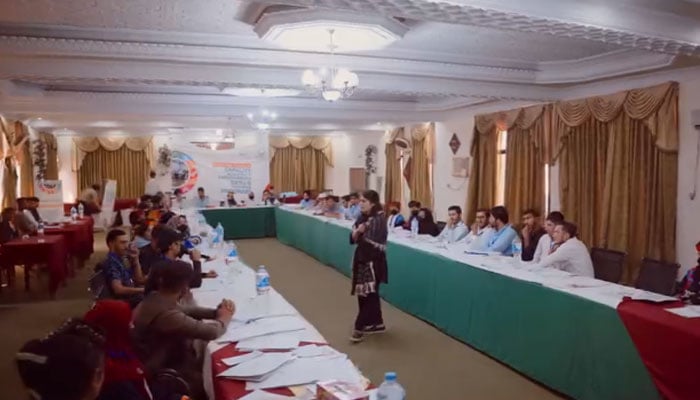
<point x="349" y="152"/>
<point x="449" y="190"/>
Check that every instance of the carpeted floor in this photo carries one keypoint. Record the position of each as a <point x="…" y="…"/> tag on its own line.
<point x="429" y="364"/>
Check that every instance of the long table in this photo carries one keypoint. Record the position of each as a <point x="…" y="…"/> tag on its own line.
<point x="243" y="222"/>
<point x="571" y="340"/>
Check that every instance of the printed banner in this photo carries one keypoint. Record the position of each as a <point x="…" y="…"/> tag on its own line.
<point x="50" y="194"/>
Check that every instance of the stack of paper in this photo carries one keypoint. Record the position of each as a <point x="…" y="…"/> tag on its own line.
<point x="262" y="327"/>
<point x="687" y="311"/>
<point x="306" y="370"/>
<point x="275" y="341"/>
<point x="231" y="361"/>
<point x="258" y="368"/>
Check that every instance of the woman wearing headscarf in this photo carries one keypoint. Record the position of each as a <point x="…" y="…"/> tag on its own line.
<point x="426" y="223"/>
<point x="369" y="267"/>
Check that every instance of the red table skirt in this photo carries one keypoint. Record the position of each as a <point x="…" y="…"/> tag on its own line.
<point x="49" y="250"/>
<point x="79" y="237"/>
<point x="668" y="344"/>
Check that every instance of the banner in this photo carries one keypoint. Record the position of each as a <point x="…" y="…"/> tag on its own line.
<point x="50" y="194"/>
<point x="217" y="171"/>
<point x="109" y="196"/>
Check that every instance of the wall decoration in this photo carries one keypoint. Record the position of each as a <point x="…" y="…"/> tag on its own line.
<point x="39" y="159"/>
<point x="455" y="143"/>
<point x="460" y="167"/>
<point x="165" y="156"/>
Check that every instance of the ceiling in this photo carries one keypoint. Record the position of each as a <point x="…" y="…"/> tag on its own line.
<point x="158" y="66"/>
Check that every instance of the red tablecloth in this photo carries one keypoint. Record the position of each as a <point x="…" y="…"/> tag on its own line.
<point x="79" y="237"/>
<point x="668" y="344"/>
<point x="49" y="250"/>
<point x="229" y="389"/>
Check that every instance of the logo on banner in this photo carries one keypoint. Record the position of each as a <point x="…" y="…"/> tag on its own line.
<point x="49" y="187"/>
<point x="183" y="171"/>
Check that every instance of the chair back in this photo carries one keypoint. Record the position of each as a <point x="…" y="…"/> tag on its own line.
<point x="608" y="264"/>
<point x="97" y="284"/>
<point x="657" y="276"/>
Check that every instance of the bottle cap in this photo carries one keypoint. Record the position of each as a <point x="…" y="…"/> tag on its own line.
<point x="390" y="376"/>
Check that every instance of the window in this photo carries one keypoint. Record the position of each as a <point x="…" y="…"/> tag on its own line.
<point x="501" y="168"/>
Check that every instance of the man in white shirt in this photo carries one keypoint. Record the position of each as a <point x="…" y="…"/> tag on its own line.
<point x="569" y="253"/>
<point x="455" y="229"/>
<point x="544" y="245"/>
<point x="481" y="232"/>
<point x="152" y="186"/>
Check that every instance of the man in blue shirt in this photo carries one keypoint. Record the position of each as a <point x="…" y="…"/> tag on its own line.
<point x="502" y="239"/>
<point x="122" y="270"/>
<point x="352" y="212"/>
<point x="306" y="202"/>
<point x="202" y="200"/>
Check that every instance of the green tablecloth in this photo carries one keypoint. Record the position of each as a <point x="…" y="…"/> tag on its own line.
<point x="571" y="344"/>
<point x="244" y="222"/>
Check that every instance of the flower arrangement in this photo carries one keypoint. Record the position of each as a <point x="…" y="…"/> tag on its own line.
<point x="165" y="156"/>
<point x="39" y="159"/>
<point x="371" y="160"/>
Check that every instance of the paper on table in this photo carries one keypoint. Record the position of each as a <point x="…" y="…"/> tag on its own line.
<point x="651" y="296"/>
<point x="259" y="307"/>
<point x="231" y="361"/>
<point x="263" y="327"/>
<point x="315" y="351"/>
<point x="262" y="395"/>
<point x="308" y="370"/>
<point x="687" y="311"/>
<point x="275" y="341"/>
<point x="257" y="367"/>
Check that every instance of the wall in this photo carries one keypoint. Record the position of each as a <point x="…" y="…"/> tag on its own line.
<point x="65" y="174"/>
<point x="349" y="152"/>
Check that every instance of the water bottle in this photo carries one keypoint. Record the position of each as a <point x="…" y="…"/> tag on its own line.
<point x="517" y="247"/>
<point x="390" y="389"/>
<point x="40" y="228"/>
<point x="81" y="210"/>
<point x="219" y="234"/>
<point x="232" y="253"/>
<point x="73" y="213"/>
<point x="414" y="227"/>
<point x="262" y="280"/>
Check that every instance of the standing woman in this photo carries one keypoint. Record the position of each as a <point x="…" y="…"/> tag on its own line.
<point x="369" y="268"/>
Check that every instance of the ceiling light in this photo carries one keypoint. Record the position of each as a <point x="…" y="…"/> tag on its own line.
<point x="212" y="146"/>
<point x="260" y="92"/>
<point x="333" y="83"/>
<point x="304" y="30"/>
<point x="262" y="120"/>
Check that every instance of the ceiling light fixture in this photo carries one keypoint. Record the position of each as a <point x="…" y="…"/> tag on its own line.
<point x="262" y="120"/>
<point x="260" y="92"/>
<point x="332" y="83"/>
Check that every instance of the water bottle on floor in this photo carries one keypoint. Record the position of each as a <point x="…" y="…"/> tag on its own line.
<point x="414" y="227"/>
<point x="517" y="247"/>
<point x="262" y="280"/>
<point x="390" y="389"/>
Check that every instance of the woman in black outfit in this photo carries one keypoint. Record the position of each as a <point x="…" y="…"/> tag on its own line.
<point x="369" y="268"/>
<point x="426" y="223"/>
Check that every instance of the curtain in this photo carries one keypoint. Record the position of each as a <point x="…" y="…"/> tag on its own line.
<point x="619" y="171"/>
<point x="9" y="178"/>
<point x="24" y="159"/>
<point x="392" y="184"/>
<point x="420" y="179"/>
<point x="482" y="183"/>
<point x="82" y="146"/>
<point x="322" y="144"/>
<point x="128" y="167"/>
<point x="295" y="170"/>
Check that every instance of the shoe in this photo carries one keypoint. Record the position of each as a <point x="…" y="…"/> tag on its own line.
<point x="374" y="329"/>
<point x="357" y="337"/>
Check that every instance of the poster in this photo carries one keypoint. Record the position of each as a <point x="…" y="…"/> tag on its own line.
<point x="50" y="194"/>
<point x="110" y="194"/>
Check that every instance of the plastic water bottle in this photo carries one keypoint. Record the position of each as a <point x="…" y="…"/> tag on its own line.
<point x="517" y="247"/>
<point x="40" y="228"/>
<point x="219" y="234"/>
<point x="262" y="280"/>
<point x="81" y="210"/>
<point x="390" y="389"/>
<point x="232" y="253"/>
<point x="414" y="227"/>
<point x="73" y="213"/>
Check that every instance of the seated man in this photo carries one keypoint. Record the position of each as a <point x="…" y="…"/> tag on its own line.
<point x="544" y="245"/>
<point x="480" y="233"/>
<point x="31" y="210"/>
<point x="8" y="230"/>
<point x="306" y="201"/>
<point x="531" y="233"/>
<point x="455" y="229"/>
<point x="395" y="218"/>
<point x="352" y="211"/>
<point x="569" y="253"/>
<point x="414" y="207"/>
<point x="320" y="207"/>
<point x="122" y="270"/>
<point x="502" y="239"/>
<point x="231" y="199"/>
<point x="149" y="255"/>
<point x="165" y="329"/>
<point x="178" y="203"/>
<point x="332" y="209"/>
<point x="202" y="200"/>
<point x="268" y="198"/>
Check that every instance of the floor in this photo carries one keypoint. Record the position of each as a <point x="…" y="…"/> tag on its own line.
<point x="429" y="364"/>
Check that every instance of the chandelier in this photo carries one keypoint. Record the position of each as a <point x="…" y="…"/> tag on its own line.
<point x="333" y="83"/>
<point x="262" y="120"/>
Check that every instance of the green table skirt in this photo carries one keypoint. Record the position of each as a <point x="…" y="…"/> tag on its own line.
<point x="243" y="223"/>
<point x="573" y="345"/>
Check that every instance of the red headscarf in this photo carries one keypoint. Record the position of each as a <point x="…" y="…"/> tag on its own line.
<point x="113" y="319"/>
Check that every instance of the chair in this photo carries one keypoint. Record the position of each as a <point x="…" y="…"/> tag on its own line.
<point x="657" y="276"/>
<point x="97" y="284"/>
<point x="608" y="264"/>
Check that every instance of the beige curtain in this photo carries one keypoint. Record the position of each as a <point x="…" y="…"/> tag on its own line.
<point x="614" y="148"/>
<point x="85" y="145"/>
<point x="482" y="182"/>
<point x="420" y="179"/>
<point x="393" y="178"/>
<point x="128" y="167"/>
<point x="51" y="155"/>
<point x="322" y="144"/>
<point x="24" y="159"/>
<point x="9" y="164"/>
<point x="297" y="169"/>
